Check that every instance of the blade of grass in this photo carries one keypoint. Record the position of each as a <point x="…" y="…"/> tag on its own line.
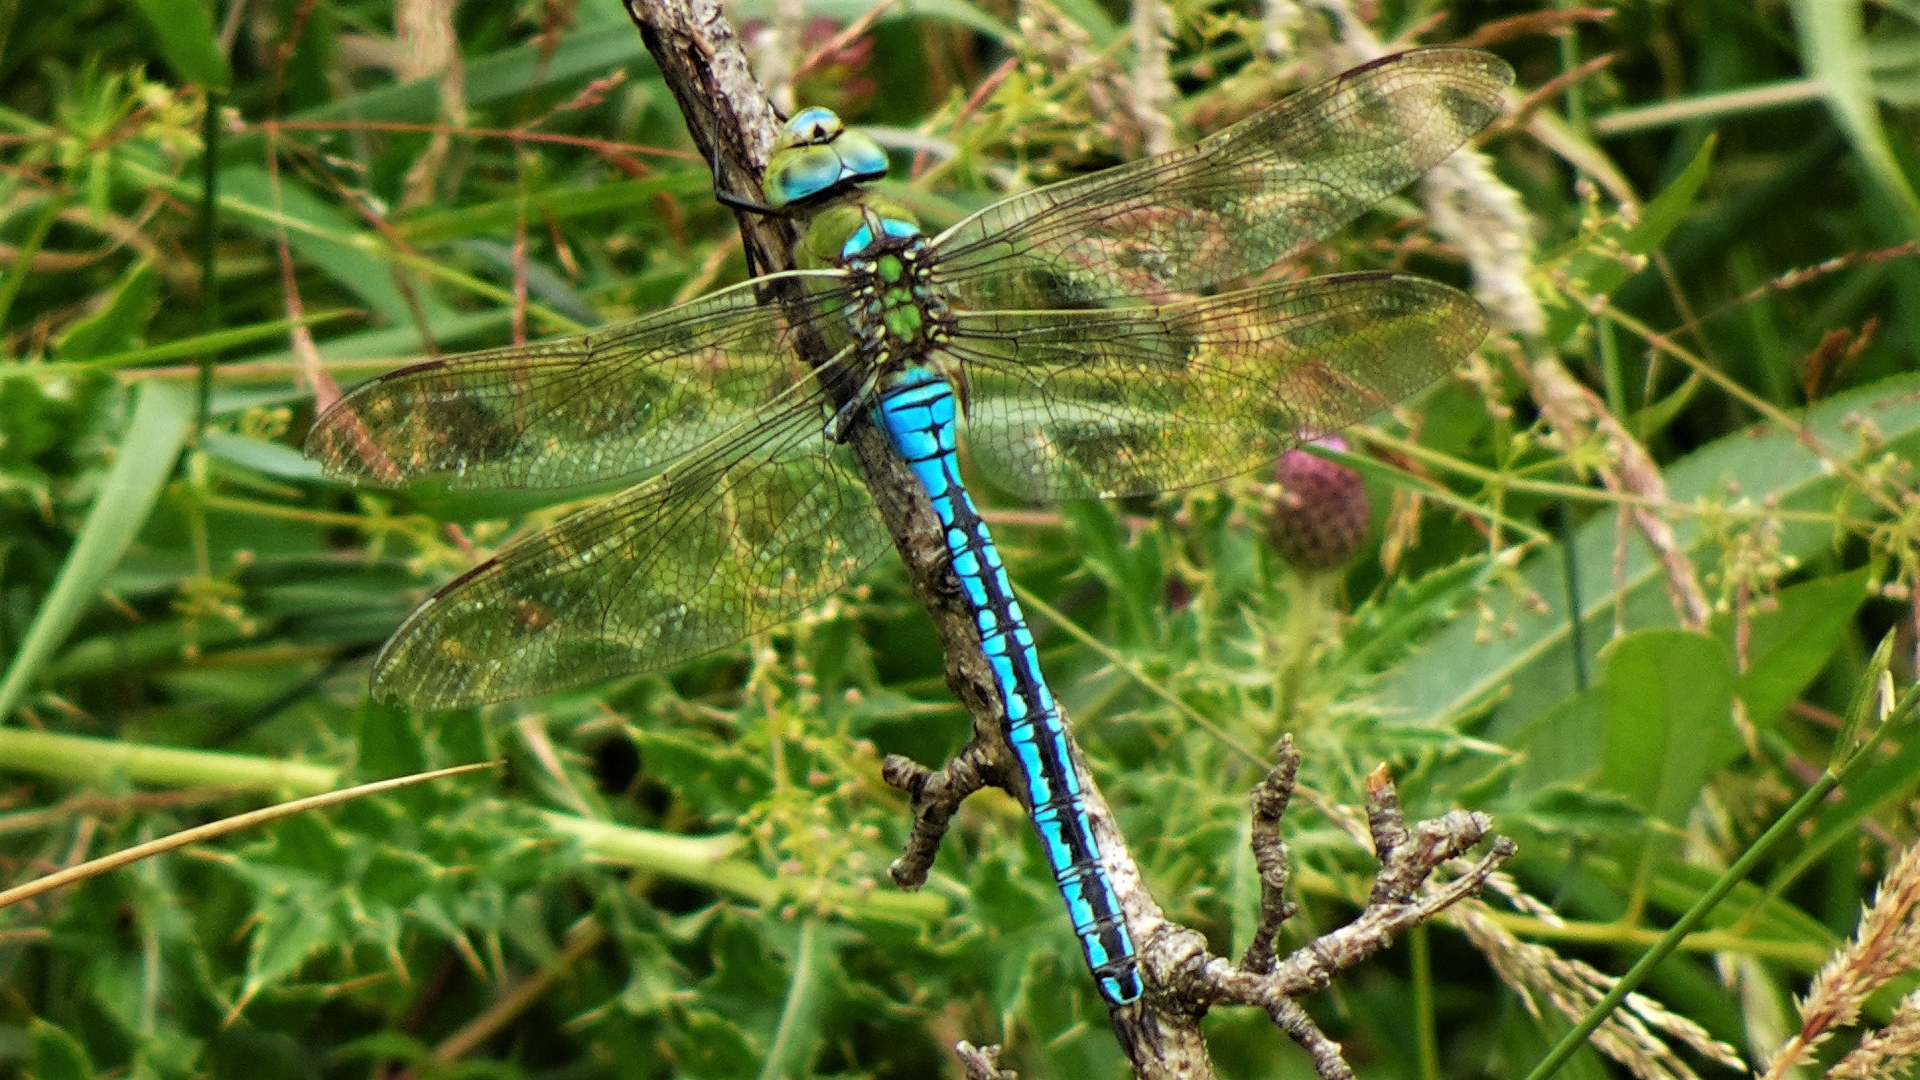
<point x="798" y="1034"/>
<point x="214" y="829"/>
<point x="162" y="416"/>
<point x="174" y="350"/>
<point x="706" y="861"/>
<point x="29" y="247"/>
<point x="1835" y="48"/>
<point x="209" y="224"/>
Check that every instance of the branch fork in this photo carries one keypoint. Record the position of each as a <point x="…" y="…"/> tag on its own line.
<point x="1184" y="980"/>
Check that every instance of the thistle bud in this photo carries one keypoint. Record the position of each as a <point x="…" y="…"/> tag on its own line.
<point x="1318" y="521"/>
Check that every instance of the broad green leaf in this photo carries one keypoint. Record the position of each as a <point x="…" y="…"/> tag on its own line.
<point x="162" y="416"/>
<point x="1789" y="644"/>
<point x="1562" y="745"/>
<point x="1527" y="664"/>
<point x="1669" y="719"/>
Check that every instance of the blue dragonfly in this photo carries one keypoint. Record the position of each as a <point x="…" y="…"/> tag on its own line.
<point x="1106" y="336"/>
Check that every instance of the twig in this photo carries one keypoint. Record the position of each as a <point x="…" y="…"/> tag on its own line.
<point x="937" y="796"/>
<point x="1268" y="802"/>
<point x="981" y="1062"/>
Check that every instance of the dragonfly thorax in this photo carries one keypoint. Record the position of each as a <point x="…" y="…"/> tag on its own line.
<point x="897" y="315"/>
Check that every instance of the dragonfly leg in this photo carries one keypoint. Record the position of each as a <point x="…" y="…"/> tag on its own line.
<point x="842" y="420"/>
<point x="737" y="202"/>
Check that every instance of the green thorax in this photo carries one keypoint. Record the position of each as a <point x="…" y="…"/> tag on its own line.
<point x="898" y="315"/>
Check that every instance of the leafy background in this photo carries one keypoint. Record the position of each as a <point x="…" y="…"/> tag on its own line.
<point x="684" y="875"/>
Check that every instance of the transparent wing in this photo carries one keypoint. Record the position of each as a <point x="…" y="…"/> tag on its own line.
<point x="618" y="402"/>
<point x="729" y="543"/>
<point x="1126" y="401"/>
<point x="1230" y="205"/>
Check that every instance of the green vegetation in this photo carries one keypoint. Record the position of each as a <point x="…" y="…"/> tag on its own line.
<point x="1626" y="586"/>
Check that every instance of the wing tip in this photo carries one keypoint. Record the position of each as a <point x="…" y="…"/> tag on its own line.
<point x="1464" y="63"/>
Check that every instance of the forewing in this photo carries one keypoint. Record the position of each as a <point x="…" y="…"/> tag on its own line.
<point x="1126" y="401"/>
<point x="730" y="543"/>
<point x="1232" y="204"/>
<point x="613" y="403"/>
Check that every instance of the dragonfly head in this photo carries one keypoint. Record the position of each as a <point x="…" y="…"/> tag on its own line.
<point x="818" y="158"/>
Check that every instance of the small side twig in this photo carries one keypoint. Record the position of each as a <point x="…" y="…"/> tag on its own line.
<point x="1268" y="803"/>
<point x="981" y="1062"/>
<point x="937" y="796"/>
<point x="1289" y="1016"/>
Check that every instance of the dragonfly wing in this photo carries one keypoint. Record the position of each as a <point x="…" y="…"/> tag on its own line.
<point x="1126" y="401"/>
<point x="1232" y="204"/>
<point x="618" y="402"/>
<point x="693" y="559"/>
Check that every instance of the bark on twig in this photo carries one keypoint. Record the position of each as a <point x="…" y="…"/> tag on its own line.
<point x="1268" y="803"/>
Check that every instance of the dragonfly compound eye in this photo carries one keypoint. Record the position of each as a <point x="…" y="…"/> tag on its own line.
<point x="814" y="126"/>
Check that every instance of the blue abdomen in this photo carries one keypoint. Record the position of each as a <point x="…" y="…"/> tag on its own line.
<point x="917" y="412"/>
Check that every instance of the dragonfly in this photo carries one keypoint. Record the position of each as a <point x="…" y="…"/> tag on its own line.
<point x="1116" y="334"/>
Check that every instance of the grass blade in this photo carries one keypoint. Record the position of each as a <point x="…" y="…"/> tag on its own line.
<point x="162" y="416"/>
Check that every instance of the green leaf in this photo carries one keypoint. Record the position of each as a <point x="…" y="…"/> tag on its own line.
<point x="322" y="236"/>
<point x="714" y="780"/>
<point x="184" y="30"/>
<point x="306" y="844"/>
<point x="261" y="456"/>
<point x="394" y="879"/>
<point x="1595" y="267"/>
<point x="162" y="416"/>
<point x="1789" y="644"/>
<point x="1868" y="790"/>
<point x="1385" y="627"/>
<point x="1669" y="719"/>
<point x="559" y="203"/>
<point x="798" y="1034"/>
<point x="58" y="1055"/>
<point x="706" y="1045"/>
<point x="1562" y="744"/>
<point x="118" y="323"/>
<point x="588" y="52"/>
<point x="286" y="932"/>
